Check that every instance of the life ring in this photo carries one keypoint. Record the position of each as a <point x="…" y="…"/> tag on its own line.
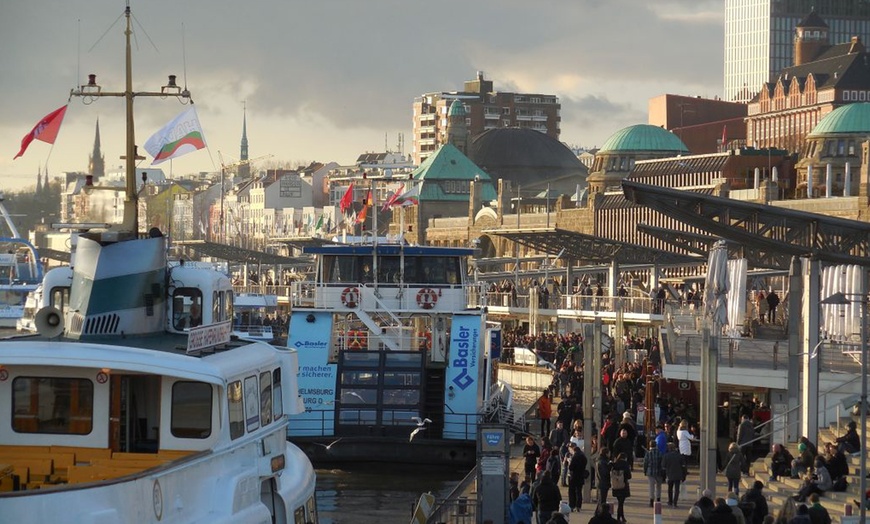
<point x="350" y="297"/>
<point x="427" y="298"/>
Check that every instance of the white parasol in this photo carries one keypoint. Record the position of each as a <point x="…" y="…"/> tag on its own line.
<point x="716" y="285"/>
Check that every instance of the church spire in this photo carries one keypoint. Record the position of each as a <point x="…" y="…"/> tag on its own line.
<point x="39" y="181"/>
<point x="244" y="167"/>
<point x="97" y="161"/>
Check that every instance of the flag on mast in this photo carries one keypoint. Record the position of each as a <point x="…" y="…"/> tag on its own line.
<point x="410" y="197"/>
<point x="724" y="128"/>
<point x="389" y="203"/>
<point x="45" y="130"/>
<point x="319" y="224"/>
<point x="180" y="136"/>
<point x="347" y="199"/>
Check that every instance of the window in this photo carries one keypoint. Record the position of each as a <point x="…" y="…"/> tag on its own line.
<point x="252" y="404"/>
<point x="236" y="409"/>
<point x="186" y="308"/>
<point x="505" y="110"/>
<point x="265" y="398"/>
<point x="277" y="398"/>
<point x="191" y="410"/>
<point x="52" y="405"/>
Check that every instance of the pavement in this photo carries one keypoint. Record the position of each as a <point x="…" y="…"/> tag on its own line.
<point x="637" y="505"/>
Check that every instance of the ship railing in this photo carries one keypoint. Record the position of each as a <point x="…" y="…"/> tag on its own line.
<point x="263" y="289"/>
<point x="362" y="421"/>
<point x="457" y="506"/>
<point x="404" y="296"/>
<point x="575" y="302"/>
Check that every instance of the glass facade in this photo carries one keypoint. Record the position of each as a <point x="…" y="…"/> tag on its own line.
<point x="759" y="37"/>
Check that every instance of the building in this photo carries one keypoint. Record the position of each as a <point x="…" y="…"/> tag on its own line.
<point x="485" y="109"/>
<point x="825" y="77"/>
<point x="704" y="125"/>
<point x="759" y="37"/>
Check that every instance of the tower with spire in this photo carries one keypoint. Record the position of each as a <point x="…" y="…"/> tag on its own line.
<point x="39" y="181"/>
<point x="97" y="161"/>
<point x="244" y="167"/>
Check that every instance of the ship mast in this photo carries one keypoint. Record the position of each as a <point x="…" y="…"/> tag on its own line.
<point x="90" y="91"/>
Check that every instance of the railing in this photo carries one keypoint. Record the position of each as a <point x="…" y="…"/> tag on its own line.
<point x="456" y="507"/>
<point x="323" y="423"/>
<point x="588" y="303"/>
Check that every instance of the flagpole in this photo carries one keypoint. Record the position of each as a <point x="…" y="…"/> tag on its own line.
<point x="374" y="202"/>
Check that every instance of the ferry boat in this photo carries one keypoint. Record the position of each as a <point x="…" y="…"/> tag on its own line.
<point x="20" y="271"/>
<point x="394" y="355"/>
<point x="118" y="413"/>
<point x="53" y="291"/>
<point x="251" y="312"/>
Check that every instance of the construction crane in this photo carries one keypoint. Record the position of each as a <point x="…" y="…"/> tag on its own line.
<point x="224" y="167"/>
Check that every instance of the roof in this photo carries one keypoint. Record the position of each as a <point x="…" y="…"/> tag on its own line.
<point x="679" y="165"/>
<point x="812" y="20"/>
<point x="457" y="108"/>
<point x="240" y="254"/>
<point x="448" y="163"/>
<point x="851" y="118"/>
<point x="644" y="137"/>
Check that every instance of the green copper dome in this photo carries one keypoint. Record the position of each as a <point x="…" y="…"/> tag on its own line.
<point x="457" y="108"/>
<point x="851" y="118"/>
<point x="644" y="137"/>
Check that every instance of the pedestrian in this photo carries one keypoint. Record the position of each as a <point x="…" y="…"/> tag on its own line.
<point x="514" y="486"/>
<point x="755" y="497"/>
<point x="652" y="468"/>
<point x="745" y="436"/>
<point x="695" y="516"/>
<point x="561" y="516"/>
<point x="802" y="516"/>
<point x="721" y="513"/>
<point x="772" y="303"/>
<point x="706" y="504"/>
<point x="818" y="513"/>
<point x="602" y="470"/>
<point x="620" y="475"/>
<point x="734" y="504"/>
<point x="672" y="465"/>
<point x="577" y="473"/>
<point x="602" y="515"/>
<point x="546" y="498"/>
<point x="761" y="305"/>
<point x="684" y="439"/>
<point x="624" y="445"/>
<point x="661" y="439"/>
<point x="531" y="452"/>
<point x="520" y="511"/>
<point x="545" y="411"/>
<point x="734" y="467"/>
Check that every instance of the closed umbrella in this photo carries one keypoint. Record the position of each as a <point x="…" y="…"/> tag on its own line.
<point x="716" y="290"/>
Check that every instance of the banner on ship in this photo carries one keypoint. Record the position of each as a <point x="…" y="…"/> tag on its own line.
<point x="463" y="380"/>
<point x="311" y="340"/>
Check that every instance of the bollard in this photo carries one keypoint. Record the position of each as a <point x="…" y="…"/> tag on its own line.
<point x="847" y="510"/>
<point x="657" y="515"/>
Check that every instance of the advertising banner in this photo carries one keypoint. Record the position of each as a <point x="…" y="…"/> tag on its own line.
<point x="310" y="335"/>
<point x="463" y="379"/>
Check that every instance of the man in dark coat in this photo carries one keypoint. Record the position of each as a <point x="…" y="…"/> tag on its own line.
<point x="721" y="513"/>
<point x="754" y="496"/>
<point x="576" y="477"/>
<point x="546" y="498"/>
<point x="602" y="470"/>
<point x="624" y="445"/>
<point x="672" y="464"/>
<point x="772" y="303"/>
<point x="706" y="504"/>
<point x="818" y="513"/>
<point x="602" y="515"/>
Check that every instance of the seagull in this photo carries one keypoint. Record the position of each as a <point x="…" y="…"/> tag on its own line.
<point x="357" y="395"/>
<point x="328" y="447"/>
<point x="421" y="425"/>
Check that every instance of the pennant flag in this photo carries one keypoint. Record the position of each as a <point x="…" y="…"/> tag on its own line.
<point x="347" y="199"/>
<point x="368" y="201"/>
<point x="180" y="136"/>
<point x="361" y="218"/>
<point x="410" y="197"/>
<point x="319" y="224"/>
<point x="44" y="130"/>
<point x="389" y="203"/>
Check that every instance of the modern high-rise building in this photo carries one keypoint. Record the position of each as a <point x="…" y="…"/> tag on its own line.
<point x="759" y="37"/>
<point x="484" y="109"/>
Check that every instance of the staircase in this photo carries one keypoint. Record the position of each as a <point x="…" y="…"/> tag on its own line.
<point x="433" y="402"/>
<point x="835" y="502"/>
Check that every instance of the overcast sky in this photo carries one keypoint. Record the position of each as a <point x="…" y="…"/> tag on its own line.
<point x="327" y="80"/>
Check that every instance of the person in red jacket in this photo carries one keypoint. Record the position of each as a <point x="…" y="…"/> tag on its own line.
<point x="545" y="411"/>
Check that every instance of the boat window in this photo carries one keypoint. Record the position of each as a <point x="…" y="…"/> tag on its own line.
<point x="59" y="297"/>
<point x="186" y="308"/>
<point x="191" y="410"/>
<point x="358" y="417"/>
<point x="299" y="515"/>
<point x="217" y="309"/>
<point x="402" y="378"/>
<point x="359" y="396"/>
<point x="311" y="507"/>
<point x="339" y="269"/>
<point x="228" y="305"/>
<point x="265" y="398"/>
<point x="434" y="271"/>
<point x="277" y="399"/>
<point x="411" y="359"/>
<point x="361" y="358"/>
<point x="359" y="378"/>
<point x="389" y="270"/>
<point x="52" y="405"/>
<point x="252" y="404"/>
<point x="237" y="411"/>
<point x="365" y="269"/>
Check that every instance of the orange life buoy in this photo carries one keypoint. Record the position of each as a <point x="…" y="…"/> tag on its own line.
<point x="350" y="296"/>
<point x="427" y="298"/>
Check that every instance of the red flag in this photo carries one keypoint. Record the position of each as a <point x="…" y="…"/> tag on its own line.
<point x="45" y="130"/>
<point x="347" y="199"/>
<point x="368" y="201"/>
<point x="390" y="201"/>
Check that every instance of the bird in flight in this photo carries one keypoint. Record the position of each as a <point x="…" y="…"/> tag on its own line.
<point x="421" y="425"/>
<point x="329" y="446"/>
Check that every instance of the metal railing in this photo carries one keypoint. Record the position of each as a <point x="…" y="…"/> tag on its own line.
<point x="322" y="423"/>
<point x="456" y="507"/>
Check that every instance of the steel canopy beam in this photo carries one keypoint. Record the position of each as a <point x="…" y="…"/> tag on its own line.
<point x="700" y="245"/>
<point x="765" y="228"/>
<point x="240" y="254"/>
<point x="588" y="248"/>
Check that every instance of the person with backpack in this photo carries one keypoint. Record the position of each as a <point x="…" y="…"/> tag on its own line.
<point x="620" y="474"/>
<point x="734" y="467"/>
<point x="577" y="472"/>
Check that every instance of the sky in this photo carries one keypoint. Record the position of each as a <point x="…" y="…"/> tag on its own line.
<point x="327" y="80"/>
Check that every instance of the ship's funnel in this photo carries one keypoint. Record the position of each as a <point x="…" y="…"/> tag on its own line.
<point x="118" y="288"/>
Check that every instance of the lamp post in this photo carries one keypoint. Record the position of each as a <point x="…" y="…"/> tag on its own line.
<point x="839" y="298"/>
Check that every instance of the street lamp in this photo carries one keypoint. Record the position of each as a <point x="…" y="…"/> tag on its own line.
<point x="839" y="298"/>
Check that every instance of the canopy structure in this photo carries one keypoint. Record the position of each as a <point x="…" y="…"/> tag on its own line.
<point x="591" y="249"/>
<point x="764" y="228"/>
<point x="241" y="255"/>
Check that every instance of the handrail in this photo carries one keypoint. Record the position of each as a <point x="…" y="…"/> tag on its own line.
<point x="454" y="495"/>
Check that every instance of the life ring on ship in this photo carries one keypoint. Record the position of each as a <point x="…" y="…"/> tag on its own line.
<point x="350" y="297"/>
<point x="427" y="298"/>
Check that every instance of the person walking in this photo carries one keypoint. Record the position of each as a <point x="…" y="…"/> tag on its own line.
<point x="652" y="468"/>
<point x="577" y="471"/>
<point x="545" y="411"/>
<point x="684" y="439"/>
<point x="602" y="469"/>
<point x="772" y="303"/>
<point x="745" y="435"/>
<point x="620" y="475"/>
<point x="672" y="464"/>
<point x="546" y="498"/>
<point x="531" y="452"/>
<point x="734" y="467"/>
